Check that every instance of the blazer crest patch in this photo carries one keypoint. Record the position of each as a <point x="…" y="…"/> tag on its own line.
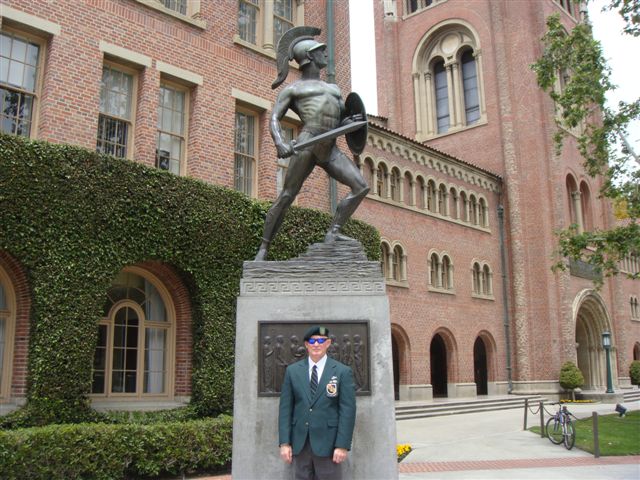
<point x="332" y="387"/>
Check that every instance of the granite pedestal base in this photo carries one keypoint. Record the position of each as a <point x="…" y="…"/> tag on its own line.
<point x="332" y="283"/>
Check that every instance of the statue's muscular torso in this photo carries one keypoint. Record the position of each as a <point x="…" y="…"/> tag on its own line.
<point x="318" y="104"/>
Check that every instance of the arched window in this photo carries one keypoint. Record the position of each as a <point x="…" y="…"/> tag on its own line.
<point x="635" y="314"/>
<point x="482" y="211"/>
<point x="572" y="195"/>
<point x="477" y="278"/>
<point x="384" y="259"/>
<point x="398" y="264"/>
<point x="447" y="273"/>
<point x="408" y="190"/>
<point x="421" y="193"/>
<point x="453" y="203"/>
<point x="369" y="172"/>
<point x="395" y="185"/>
<point x="473" y="209"/>
<point x="431" y="196"/>
<point x="447" y="80"/>
<point x="442" y="199"/>
<point x="7" y="329"/>
<point x="585" y="204"/>
<point x="487" y="288"/>
<point x="434" y="262"/>
<point x="135" y="339"/>
<point x="464" y="207"/>
<point x="442" y="96"/>
<point x="383" y="179"/>
<point x="470" y="85"/>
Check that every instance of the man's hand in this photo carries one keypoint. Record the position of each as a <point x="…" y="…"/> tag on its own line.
<point x="284" y="150"/>
<point x="339" y="455"/>
<point x="286" y="455"/>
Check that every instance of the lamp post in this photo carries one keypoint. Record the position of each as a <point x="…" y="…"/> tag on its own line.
<point x="606" y="344"/>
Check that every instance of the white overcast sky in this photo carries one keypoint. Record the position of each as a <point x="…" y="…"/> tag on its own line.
<point x="620" y="50"/>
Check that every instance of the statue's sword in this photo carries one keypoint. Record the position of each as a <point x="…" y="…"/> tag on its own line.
<point x="331" y="134"/>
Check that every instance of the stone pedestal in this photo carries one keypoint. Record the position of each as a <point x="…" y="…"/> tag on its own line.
<point x="334" y="285"/>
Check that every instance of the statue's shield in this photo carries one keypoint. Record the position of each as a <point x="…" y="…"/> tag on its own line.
<point x="357" y="139"/>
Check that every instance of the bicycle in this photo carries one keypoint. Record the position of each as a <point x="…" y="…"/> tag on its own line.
<point x="560" y="428"/>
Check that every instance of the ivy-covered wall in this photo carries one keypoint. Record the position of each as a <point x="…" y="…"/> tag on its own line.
<point x="74" y="219"/>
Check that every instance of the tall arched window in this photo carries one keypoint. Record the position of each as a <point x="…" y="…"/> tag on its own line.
<point x="447" y="80"/>
<point x="470" y="85"/>
<point x="384" y="259"/>
<point x="135" y="339"/>
<point x="434" y="261"/>
<point x="487" y="288"/>
<point x="431" y="196"/>
<point x="442" y="96"/>
<point x="453" y="203"/>
<point x="464" y="207"/>
<point x="585" y="204"/>
<point x="395" y="185"/>
<point x="7" y="329"/>
<point x="398" y="263"/>
<point x="383" y="179"/>
<point x="421" y="193"/>
<point x="477" y="278"/>
<point x="473" y="209"/>
<point x="442" y="199"/>
<point x="482" y="210"/>
<point x="447" y="273"/>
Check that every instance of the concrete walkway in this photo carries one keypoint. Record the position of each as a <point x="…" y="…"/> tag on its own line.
<point x="493" y="445"/>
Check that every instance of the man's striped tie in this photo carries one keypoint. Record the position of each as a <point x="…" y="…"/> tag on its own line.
<point x="313" y="385"/>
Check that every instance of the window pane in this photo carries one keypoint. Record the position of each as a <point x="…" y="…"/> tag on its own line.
<point x="100" y="361"/>
<point x="154" y="360"/>
<point x="470" y="83"/>
<point x="3" y="298"/>
<point x="154" y="308"/>
<point x="112" y="136"/>
<point x="16" y="112"/>
<point x="247" y="24"/>
<point x="442" y="97"/>
<point x="4" y="69"/>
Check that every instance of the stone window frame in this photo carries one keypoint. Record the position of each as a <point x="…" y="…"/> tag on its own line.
<point x="170" y="341"/>
<point x="394" y="266"/>
<point x="122" y="67"/>
<point x="8" y="315"/>
<point x="440" y="268"/>
<point x="580" y="204"/>
<point x="481" y="280"/>
<point x="265" y="16"/>
<point x="446" y="42"/>
<point x="253" y="193"/>
<point x="184" y="136"/>
<point x="413" y="7"/>
<point x="41" y="42"/>
<point x="192" y="16"/>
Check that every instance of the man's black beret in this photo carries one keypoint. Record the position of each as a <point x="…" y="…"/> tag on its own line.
<point x="316" y="330"/>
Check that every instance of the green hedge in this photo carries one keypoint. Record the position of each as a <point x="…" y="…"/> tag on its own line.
<point x="74" y="219"/>
<point x="103" y="451"/>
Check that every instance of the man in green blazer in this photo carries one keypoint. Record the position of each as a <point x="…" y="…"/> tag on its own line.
<point x="317" y="411"/>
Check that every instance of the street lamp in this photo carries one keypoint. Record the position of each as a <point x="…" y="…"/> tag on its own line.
<point x="606" y="344"/>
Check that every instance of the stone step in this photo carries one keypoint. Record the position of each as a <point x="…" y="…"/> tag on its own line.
<point x="405" y="411"/>
<point x="632" y="395"/>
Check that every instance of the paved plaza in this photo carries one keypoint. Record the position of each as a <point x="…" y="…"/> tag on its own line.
<point x="493" y="445"/>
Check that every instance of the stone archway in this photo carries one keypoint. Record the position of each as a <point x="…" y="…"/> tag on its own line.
<point x="400" y="352"/>
<point x="439" y="374"/>
<point x="480" y="370"/>
<point x="591" y="319"/>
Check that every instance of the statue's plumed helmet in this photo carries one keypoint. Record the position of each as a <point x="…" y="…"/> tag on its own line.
<point x="294" y="44"/>
<point x="301" y="48"/>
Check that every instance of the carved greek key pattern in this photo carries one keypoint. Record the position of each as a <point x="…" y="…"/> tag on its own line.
<point x="311" y="287"/>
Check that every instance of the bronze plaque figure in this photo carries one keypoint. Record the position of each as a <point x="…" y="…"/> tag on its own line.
<point x="280" y="344"/>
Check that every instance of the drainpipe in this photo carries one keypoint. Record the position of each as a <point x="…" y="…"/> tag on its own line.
<point x="331" y="78"/>
<point x="505" y="297"/>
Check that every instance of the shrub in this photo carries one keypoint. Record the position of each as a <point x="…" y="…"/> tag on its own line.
<point x="65" y="213"/>
<point x="571" y="377"/>
<point x="106" y="451"/>
<point x="634" y="372"/>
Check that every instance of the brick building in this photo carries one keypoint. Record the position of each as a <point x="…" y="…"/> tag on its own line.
<point x="184" y="85"/>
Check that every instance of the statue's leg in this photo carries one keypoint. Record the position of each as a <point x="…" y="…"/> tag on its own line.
<point x="344" y="171"/>
<point x="300" y="166"/>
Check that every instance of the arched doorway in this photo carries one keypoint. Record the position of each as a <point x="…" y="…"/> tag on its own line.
<point x="438" y="357"/>
<point x="480" y="376"/>
<point x="591" y="320"/>
<point x="396" y="368"/>
<point x="636" y="351"/>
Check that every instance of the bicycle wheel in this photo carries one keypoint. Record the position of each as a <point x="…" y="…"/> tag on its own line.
<point x="570" y="435"/>
<point x="554" y="430"/>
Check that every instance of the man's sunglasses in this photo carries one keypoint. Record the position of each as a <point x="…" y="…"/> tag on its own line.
<point x="318" y="340"/>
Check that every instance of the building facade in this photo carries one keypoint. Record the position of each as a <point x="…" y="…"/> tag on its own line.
<point x="465" y="187"/>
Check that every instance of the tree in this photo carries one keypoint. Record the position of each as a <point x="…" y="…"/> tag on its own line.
<point x="581" y="107"/>
<point x="634" y="372"/>
<point x="571" y="378"/>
